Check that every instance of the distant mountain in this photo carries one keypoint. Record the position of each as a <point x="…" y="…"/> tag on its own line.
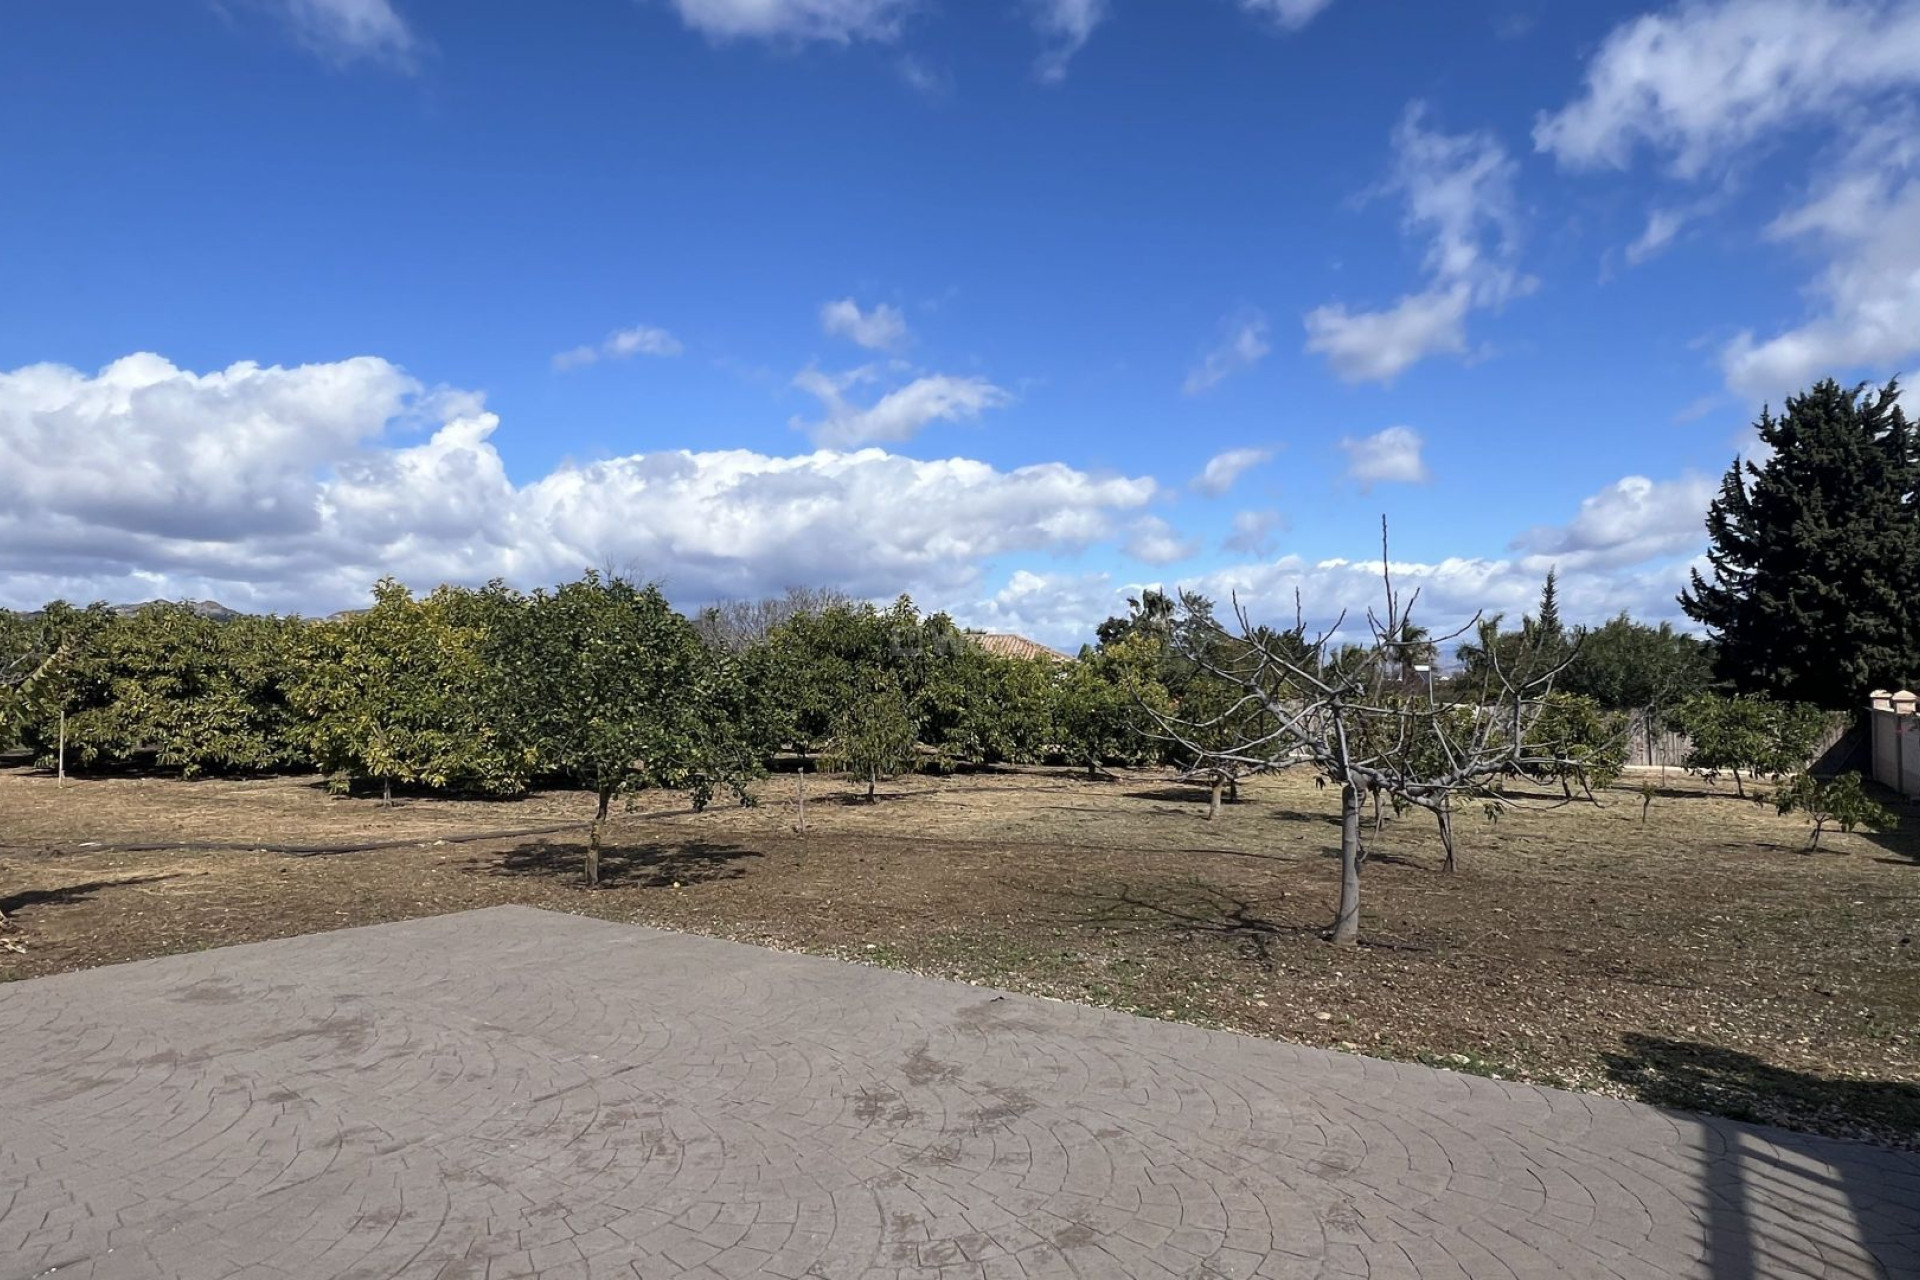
<point x="205" y="608"/>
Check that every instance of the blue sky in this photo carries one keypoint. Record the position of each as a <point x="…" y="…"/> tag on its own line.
<point x="955" y="298"/>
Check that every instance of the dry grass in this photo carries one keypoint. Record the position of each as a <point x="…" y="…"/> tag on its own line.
<point x="1701" y="958"/>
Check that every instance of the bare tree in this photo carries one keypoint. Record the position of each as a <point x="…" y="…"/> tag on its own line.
<point x="736" y="625"/>
<point x="1345" y="710"/>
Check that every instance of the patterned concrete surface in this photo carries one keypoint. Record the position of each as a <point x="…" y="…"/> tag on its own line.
<point x="514" y="1093"/>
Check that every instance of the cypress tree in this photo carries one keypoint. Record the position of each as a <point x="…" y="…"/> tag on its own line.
<point x="1815" y="553"/>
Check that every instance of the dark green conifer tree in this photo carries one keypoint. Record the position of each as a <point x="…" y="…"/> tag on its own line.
<point x="1815" y="587"/>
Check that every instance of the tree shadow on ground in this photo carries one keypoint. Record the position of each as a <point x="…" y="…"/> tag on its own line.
<point x="1727" y="1082"/>
<point x="1194" y="909"/>
<point x="70" y="893"/>
<point x="858" y="799"/>
<point x="1902" y="843"/>
<point x="1743" y="1177"/>
<point x="625" y="866"/>
<point x="1194" y="793"/>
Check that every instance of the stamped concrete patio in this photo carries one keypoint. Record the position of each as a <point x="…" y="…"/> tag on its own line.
<point x="516" y="1093"/>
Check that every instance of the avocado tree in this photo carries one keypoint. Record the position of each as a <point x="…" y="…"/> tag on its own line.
<point x="609" y="687"/>
<point x="1105" y="703"/>
<point x="1840" y="801"/>
<point x="874" y="735"/>
<point x="403" y="693"/>
<point x="201" y="694"/>
<point x="1750" y="736"/>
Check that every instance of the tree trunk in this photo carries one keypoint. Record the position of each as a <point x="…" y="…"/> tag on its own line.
<point x="1379" y="820"/>
<point x="1233" y="790"/>
<point x="593" y="841"/>
<point x="803" y="799"/>
<point x="386" y="792"/>
<point x="873" y="780"/>
<point x="1213" y="797"/>
<point x="1446" y="838"/>
<point x="1346" y="924"/>
<point x="1093" y="768"/>
<point x="62" y="779"/>
<point x="1739" y="788"/>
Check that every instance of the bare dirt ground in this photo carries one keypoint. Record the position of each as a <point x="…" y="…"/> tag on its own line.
<point x="1701" y="958"/>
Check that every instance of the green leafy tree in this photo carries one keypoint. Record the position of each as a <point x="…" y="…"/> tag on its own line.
<point x="1105" y="704"/>
<point x="200" y="694"/>
<point x="404" y="693"/>
<point x="1756" y="737"/>
<point x="1814" y="590"/>
<point x="1585" y="743"/>
<point x="614" y="690"/>
<point x="44" y="672"/>
<point x="1627" y="665"/>
<point x="874" y="736"/>
<point x="1840" y="801"/>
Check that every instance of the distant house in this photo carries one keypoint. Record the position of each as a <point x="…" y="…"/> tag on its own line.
<point x="1004" y="645"/>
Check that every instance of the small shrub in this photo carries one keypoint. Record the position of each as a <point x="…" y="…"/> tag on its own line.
<point x="1841" y="801"/>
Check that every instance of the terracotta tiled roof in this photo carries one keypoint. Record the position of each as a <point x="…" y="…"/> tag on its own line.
<point x="1003" y="645"/>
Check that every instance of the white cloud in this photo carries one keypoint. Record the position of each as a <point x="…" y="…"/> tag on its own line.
<point x="1378" y="346"/>
<point x="1703" y="80"/>
<point x="1705" y="84"/>
<point x="898" y="415"/>
<point x="1662" y="226"/>
<point x="1065" y="25"/>
<point x="880" y="329"/>
<point x="1252" y="532"/>
<point x="1459" y="194"/>
<point x="1154" y="541"/>
<point x="1243" y="346"/>
<point x="622" y="344"/>
<point x="1224" y="469"/>
<point x="1866" y="224"/>
<point x="1629" y="547"/>
<point x="347" y="30"/>
<point x="797" y="21"/>
<point x="296" y="488"/>
<point x="1631" y="521"/>
<point x="1055" y="608"/>
<point x="1064" y="609"/>
<point x="1392" y="456"/>
<point x="1289" y="15"/>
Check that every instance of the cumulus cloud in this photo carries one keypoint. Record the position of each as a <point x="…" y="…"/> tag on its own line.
<point x="900" y="414"/>
<point x="1631" y="521"/>
<point x="1060" y="609"/>
<point x="622" y="344"/>
<point x="797" y="21"/>
<point x="350" y="30"/>
<point x="1065" y="25"/>
<point x="1628" y="547"/>
<point x="1702" y="80"/>
<point x="1064" y="609"/>
<point x="1459" y="195"/>
<point x="1243" y="345"/>
<point x="1288" y="15"/>
<point x="1154" y="541"/>
<point x="1223" y="470"/>
<point x="880" y="329"/>
<point x="1392" y="456"/>
<point x="296" y="488"/>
